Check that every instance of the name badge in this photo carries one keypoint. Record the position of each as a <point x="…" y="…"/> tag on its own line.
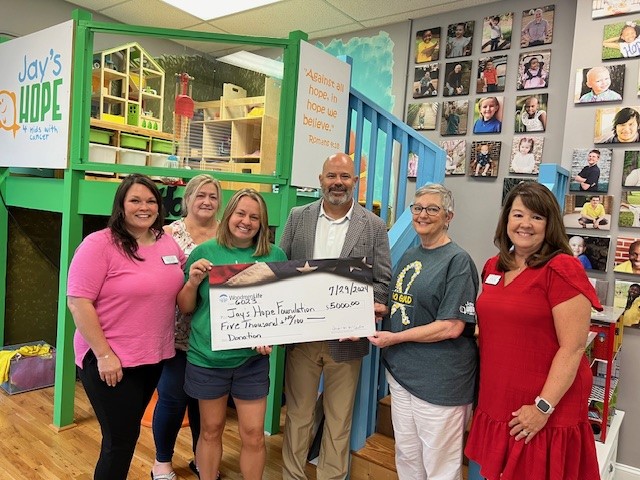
<point x="170" y="260"/>
<point x="492" y="279"/>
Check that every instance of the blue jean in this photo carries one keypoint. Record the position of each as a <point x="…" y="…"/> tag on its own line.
<point x="169" y="411"/>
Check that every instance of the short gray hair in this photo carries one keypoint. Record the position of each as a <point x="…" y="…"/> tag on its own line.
<point x="435" y="188"/>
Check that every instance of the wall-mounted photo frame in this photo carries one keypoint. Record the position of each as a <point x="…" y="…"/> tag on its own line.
<point x="627" y="256"/>
<point x="455" y="117"/>
<point x="617" y="125"/>
<point x="531" y="113"/>
<point x="485" y="159"/>
<point x="599" y="84"/>
<point x="459" y="39"/>
<point x="456" y="151"/>
<point x="412" y="165"/>
<point x="428" y="45"/>
<point x="508" y="183"/>
<point x="422" y="116"/>
<point x="426" y="80"/>
<point x="591" y="252"/>
<point x="629" y="215"/>
<point x="491" y="74"/>
<point x="534" y="69"/>
<point x="496" y="32"/>
<point x="590" y="169"/>
<point x="612" y="8"/>
<point x="526" y="155"/>
<point x="631" y="169"/>
<point x="621" y="40"/>
<point x="537" y="26"/>
<point x="588" y="211"/>
<point x="487" y="115"/>
<point x="626" y="297"/>
<point x="457" y="78"/>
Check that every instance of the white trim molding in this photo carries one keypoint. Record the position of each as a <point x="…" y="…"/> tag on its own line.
<point x="626" y="472"/>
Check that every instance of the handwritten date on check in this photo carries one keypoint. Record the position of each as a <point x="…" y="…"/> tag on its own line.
<point x="277" y="303"/>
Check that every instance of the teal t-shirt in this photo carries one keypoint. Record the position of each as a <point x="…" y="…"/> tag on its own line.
<point x="199" y="352"/>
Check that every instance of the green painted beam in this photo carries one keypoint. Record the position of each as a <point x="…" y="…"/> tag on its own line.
<point x="4" y="236"/>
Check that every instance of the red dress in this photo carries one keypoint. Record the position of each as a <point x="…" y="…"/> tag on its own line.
<point x="517" y="345"/>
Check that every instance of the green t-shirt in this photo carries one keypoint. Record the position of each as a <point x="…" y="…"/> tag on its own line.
<point x="200" y="352"/>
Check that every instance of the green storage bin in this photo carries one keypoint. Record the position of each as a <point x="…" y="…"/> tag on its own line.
<point x="100" y="136"/>
<point x="161" y="146"/>
<point x="133" y="141"/>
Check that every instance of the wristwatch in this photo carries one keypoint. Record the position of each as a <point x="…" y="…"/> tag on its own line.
<point x="544" y="406"/>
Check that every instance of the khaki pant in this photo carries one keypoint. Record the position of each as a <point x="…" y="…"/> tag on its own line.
<point x="305" y="364"/>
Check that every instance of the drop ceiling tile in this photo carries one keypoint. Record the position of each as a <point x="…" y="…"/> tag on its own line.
<point x="150" y="13"/>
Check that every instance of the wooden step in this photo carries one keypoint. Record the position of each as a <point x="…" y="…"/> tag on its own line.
<point x="383" y="424"/>
<point x="376" y="460"/>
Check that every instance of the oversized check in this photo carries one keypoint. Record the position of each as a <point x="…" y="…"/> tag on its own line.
<point x="276" y="303"/>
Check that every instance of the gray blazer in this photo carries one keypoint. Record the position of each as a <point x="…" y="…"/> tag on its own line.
<point x="366" y="237"/>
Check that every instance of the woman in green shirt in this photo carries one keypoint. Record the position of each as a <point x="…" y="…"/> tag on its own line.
<point x="211" y="376"/>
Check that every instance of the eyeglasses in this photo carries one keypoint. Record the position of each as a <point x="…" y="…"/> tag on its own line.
<point x="432" y="210"/>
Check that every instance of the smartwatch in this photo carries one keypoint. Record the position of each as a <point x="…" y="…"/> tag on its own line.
<point x="544" y="406"/>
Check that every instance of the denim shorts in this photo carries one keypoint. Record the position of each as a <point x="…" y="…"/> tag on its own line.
<point x="249" y="381"/>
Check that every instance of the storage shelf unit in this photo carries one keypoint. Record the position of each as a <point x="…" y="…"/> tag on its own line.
<point x="127" y="87"/>
<point x="606" y="341"/>
<point x="236" y="134"/>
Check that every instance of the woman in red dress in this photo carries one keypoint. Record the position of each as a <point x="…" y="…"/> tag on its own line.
<point x="533" y="316"/>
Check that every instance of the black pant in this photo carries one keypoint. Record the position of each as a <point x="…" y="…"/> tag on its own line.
<point x="119" y="411"/>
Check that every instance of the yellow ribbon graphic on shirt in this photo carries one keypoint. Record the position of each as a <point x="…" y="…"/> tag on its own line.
<point x="401" y="296"/>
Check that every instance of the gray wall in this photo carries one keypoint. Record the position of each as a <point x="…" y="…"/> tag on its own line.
<point x="578" y="133"/>
<point x="478" y="199"/>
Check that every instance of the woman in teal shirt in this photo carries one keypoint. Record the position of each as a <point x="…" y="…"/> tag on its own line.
<point x="211" y="376"/>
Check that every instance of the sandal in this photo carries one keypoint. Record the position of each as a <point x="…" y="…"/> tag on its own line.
<point x="194" y="468"/>
<point x="163" y="476"/>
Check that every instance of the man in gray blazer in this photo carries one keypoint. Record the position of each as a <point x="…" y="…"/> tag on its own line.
<point x="332" y="227"/>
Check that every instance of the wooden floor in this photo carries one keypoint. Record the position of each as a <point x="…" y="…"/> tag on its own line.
<point x="31" y="450"/>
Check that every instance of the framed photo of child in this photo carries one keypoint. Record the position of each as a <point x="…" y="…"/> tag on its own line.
<point x="626" y="297"/>
<point x="508" y="183"/>
<point x="457" y="78"/>
<point x="629" y="216"/>
<point x="455" y="116"/>
<point x="459" y="39"/>
<point x="456" y="151"/>
<point x="599" y="84"/>
<point x="627" y="255"/>
<point x="537" y="26"/>
<point x="428" y="45"/>
<point x="631" y="169"/>
<point x="588" y="211"/>
<point x="425" y="80"/>
<point x="534" y="69"/>
<point x="612" y="8"/>
<point x="617" y="125"/>
<point x="412" y="165"/>
<point x="491" y="74"/>
<point x="488" y="115"/>
<point x="485" y="159"/>
<point x="531" y="113"/>
<point x="591" y="252"/>
<point x="422" y="116"/>
<point x="526" y="154"/>
<point x="590" y="168"/>
<point x="621" y="40"/>
<point x="496" y="32"/>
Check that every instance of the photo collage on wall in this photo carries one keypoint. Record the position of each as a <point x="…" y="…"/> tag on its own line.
<point x="599" y="89"/>
<point x="462" y="89"/>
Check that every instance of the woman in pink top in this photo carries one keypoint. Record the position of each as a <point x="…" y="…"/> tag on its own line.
<point x="122" y="289"/>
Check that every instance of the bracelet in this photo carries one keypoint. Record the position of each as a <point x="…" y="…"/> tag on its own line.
<point x="103" y="357"/>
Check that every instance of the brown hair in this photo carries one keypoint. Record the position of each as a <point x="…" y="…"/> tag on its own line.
<point x="123" y="239"/>
<point x="538" y="199"/>
<point x="261" y="240"/>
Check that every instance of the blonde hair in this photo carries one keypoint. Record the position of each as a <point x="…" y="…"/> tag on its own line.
<point x="194" y="186"/>
<point x="261" y="240"/>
